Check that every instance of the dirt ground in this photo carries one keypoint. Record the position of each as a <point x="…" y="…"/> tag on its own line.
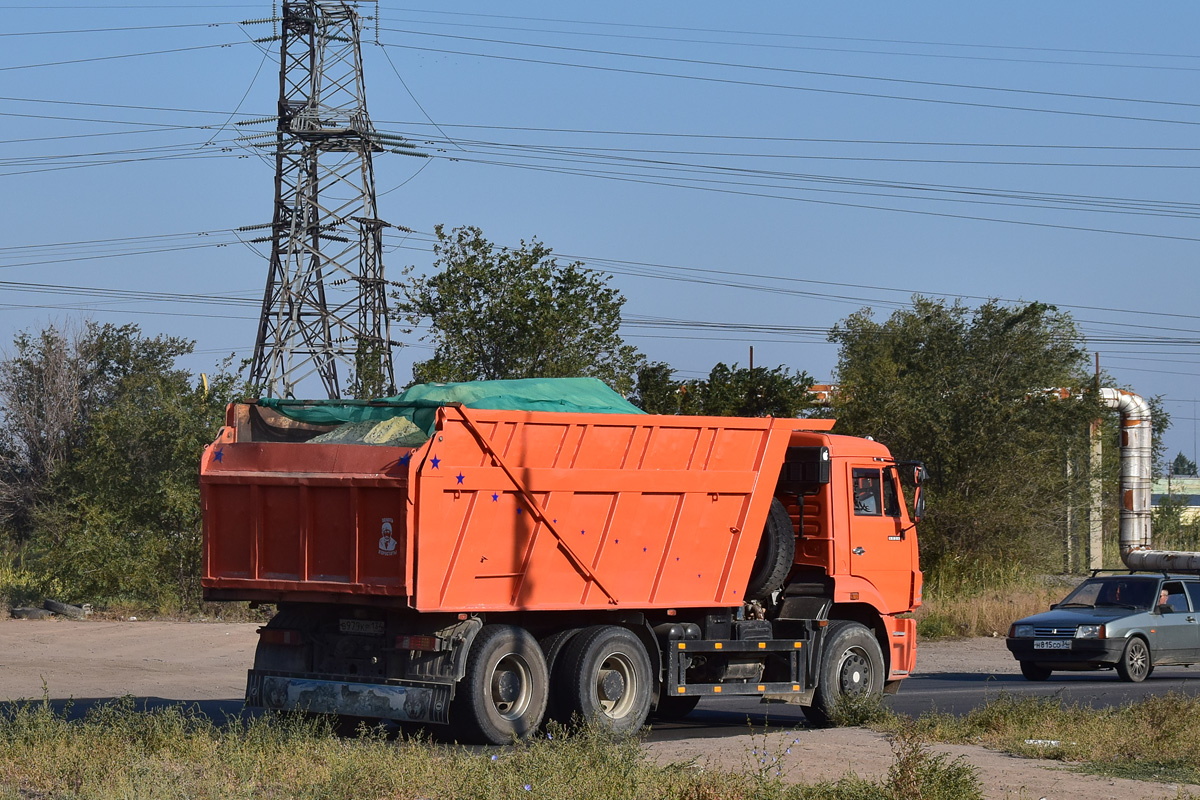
<point x="208" y="661"/>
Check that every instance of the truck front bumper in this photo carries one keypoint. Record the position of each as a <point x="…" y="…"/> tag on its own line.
<point x="405" y="703"/>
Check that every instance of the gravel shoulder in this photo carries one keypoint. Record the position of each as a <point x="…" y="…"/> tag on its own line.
<point x="193" y="661"/>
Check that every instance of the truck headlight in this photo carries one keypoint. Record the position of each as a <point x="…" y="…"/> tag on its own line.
<point x="1089" y="632"/>
<point x="1022" y="631"/>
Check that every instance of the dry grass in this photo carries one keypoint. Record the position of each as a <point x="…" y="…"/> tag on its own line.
<point x="118" y="752"/>
<point x="982" y="599"/>
<point x="1154" y="739"/>
<point x="987" y="613"/>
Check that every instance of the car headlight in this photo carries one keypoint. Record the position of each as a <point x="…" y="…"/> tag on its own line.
<point x="1022" y="631"/>
<point x="1089" y="632"/>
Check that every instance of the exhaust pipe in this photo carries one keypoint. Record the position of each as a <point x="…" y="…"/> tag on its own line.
<point x="1136" y="469"/>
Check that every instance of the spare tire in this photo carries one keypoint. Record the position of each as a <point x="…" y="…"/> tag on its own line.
<point x="776" y="553"/>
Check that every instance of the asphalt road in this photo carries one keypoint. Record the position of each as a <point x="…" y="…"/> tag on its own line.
<point x="205" y="665"/>
<point x="959" y="690"/>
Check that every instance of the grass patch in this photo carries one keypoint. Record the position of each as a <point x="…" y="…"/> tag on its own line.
<point x="118" y="751"/>
<point x="1155" y="739"/>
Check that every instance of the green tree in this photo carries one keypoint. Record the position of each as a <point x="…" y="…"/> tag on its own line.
<point x="1182" y="465"/>
<point x="728" y="391"/>
<point x="112" y="510"/>
<point x="962" y="390"/>
<point x="494" y="313"/>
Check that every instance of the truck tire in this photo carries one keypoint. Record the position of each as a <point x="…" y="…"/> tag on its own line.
<point x="673" y="707"/>
<point x="606" y="679"/>
<point x="851" y="667"/>
<point x="553" y="647"/>
<point x="64" y="609"/>
<point x="776" y="553"/>
<point x="502" y="696"/>
<point x="1135" y="663"/>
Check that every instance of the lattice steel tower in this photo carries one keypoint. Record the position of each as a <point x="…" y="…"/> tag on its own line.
<point x="324" y="312"/>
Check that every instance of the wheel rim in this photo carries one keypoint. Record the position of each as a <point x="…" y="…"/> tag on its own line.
<point x="854" y="672"/>
<point x="616" y="685"/>
<point x="1138" y="659"/>
<point x="510" y="686"/>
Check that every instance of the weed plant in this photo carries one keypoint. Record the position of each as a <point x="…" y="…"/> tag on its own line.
<point x="118" y="751"/>
<point x="1157" y="738"/>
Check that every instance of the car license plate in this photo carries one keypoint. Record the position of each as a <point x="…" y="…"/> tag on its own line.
<point x="1051" y="644"/>
<point x="362" y="627"/>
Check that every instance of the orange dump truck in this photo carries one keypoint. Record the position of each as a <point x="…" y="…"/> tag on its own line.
<point x="522" y="565"/>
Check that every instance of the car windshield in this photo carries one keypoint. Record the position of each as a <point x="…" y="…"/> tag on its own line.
<point x="1120" y="591"/>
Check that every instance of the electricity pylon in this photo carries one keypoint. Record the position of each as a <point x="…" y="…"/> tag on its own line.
<point x="324" y="311"/>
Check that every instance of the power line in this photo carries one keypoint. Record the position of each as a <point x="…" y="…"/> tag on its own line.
<point x="785" y="34"/>
<point x="792" y="47"/>
<point x="796" y="71"/>
<point x="120" y="56"/>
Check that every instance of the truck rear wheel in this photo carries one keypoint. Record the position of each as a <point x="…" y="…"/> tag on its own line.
<point x="503" y="694"/>
<point x="851" y="670"/>
<point x="606" y="678"/>
<point x="776" y="553"/>
<point x="553" y="647"/>
<point x="673" y="707"/>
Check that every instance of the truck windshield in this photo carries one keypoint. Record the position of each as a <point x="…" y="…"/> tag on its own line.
<point x="1121" y="591"/>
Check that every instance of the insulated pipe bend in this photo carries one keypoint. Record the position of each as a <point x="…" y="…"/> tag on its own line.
<point x="1136" y="471"/>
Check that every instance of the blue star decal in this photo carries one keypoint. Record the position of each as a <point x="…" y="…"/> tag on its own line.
<point x="460" y="477"/>
<point x="406" y="458"/>
<point x="495" y="497"/>
<point x="435" y="461"/>
<point x="518" y="512"/>
<point x="218" y="455"/>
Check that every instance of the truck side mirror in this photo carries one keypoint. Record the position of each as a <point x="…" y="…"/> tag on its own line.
<point x="919" y="476"/>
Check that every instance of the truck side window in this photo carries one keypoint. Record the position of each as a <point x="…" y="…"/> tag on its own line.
<point x="891" y="500"/>
<point x="867" y="492"/>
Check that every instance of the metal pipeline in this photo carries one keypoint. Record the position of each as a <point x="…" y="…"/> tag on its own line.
<point x="1136" y="469"/>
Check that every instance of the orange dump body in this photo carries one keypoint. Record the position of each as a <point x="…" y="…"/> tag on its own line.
<point x="498" y="511"/>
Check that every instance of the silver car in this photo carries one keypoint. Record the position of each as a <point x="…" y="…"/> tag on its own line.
<point x="1130" y="621"/>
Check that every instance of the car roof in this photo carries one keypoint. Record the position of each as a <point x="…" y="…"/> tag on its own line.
<point x="1146" y="576"/>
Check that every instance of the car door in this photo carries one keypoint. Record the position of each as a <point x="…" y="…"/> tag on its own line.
<point x="1177" y="632"/>
<point x="1192" y="588"/>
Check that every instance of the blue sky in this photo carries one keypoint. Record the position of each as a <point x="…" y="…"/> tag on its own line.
<point x="749" y="174"/>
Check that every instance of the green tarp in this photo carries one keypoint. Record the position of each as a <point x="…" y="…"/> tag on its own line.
<point x="418" y="404"/>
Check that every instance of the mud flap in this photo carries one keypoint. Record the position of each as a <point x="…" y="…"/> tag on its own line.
<point x="374" y="700"/>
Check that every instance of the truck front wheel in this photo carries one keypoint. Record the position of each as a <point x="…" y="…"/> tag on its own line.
<point x="503" y="694"/>
<point x="606" y="678"/>
<point x="851" y="671"/>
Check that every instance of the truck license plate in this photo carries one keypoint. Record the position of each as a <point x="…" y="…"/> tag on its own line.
<point x="363" y="627"/>
<point x="1051" y="644"/>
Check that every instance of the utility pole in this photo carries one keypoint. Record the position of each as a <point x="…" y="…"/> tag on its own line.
<point x="324" y="311"/>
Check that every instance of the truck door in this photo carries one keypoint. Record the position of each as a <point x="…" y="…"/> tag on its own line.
<point x="879" y="550"/>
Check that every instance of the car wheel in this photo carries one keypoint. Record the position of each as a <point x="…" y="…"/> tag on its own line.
<point x="1035" y="672"/>
<point x="1134" y="665"/>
